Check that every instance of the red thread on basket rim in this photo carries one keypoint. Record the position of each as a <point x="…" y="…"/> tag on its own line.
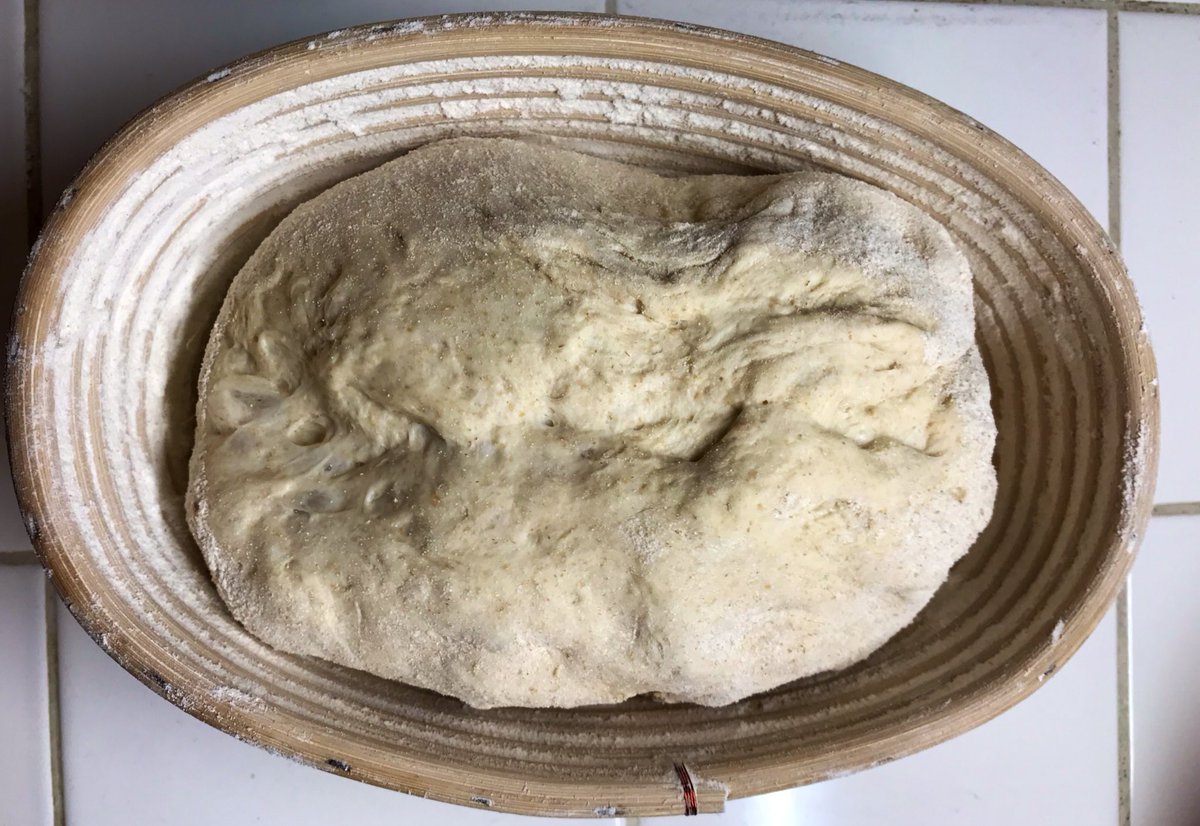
<point x="689" y="791"/>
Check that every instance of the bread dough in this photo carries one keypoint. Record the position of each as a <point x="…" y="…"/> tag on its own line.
<point x="531" y="428"/>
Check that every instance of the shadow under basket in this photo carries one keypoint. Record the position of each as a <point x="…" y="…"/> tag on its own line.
<point x="115" y="309"/>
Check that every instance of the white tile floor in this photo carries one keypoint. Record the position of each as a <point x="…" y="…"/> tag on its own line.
<point x="1166" y="672"/>
<point x="1050" y="760"/>
<point x="130" y="757"/>
<point x="1035" y="75"/>
<point x="1160" y="168"/>
<point x="1038" y="75"/>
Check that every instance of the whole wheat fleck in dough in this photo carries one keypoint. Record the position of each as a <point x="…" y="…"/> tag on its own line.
<point x="531" y="428"/>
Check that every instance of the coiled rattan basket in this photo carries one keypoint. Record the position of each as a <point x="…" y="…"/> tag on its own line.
<point x="113" y="314"/>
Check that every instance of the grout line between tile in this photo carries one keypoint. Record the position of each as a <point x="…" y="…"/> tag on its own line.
<point x="1123" y="710"/>
<point x="50" y="601"/>
<point x="1159" y="7"/>
<point x="14" y="558"/>
<point x="1114" y="126"/>
<point x="1177" y="509"/>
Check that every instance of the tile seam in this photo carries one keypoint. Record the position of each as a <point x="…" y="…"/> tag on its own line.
<point x="1177" y="509"/>
<point x="1114" y="125"/>
<point x="1123" y="710"/>
<point x="1151" y="6"/>
<point x="53" y="705"/>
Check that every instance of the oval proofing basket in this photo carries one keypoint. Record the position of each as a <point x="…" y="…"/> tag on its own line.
<point x="114" y="312"/>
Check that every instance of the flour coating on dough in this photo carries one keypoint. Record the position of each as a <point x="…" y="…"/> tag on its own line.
<point x="532" y="428"/>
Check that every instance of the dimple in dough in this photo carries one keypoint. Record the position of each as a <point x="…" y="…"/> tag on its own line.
<point x="531" y="428"/>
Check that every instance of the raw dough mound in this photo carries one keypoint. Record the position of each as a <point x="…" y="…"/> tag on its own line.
<point x="531" y="428"/>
